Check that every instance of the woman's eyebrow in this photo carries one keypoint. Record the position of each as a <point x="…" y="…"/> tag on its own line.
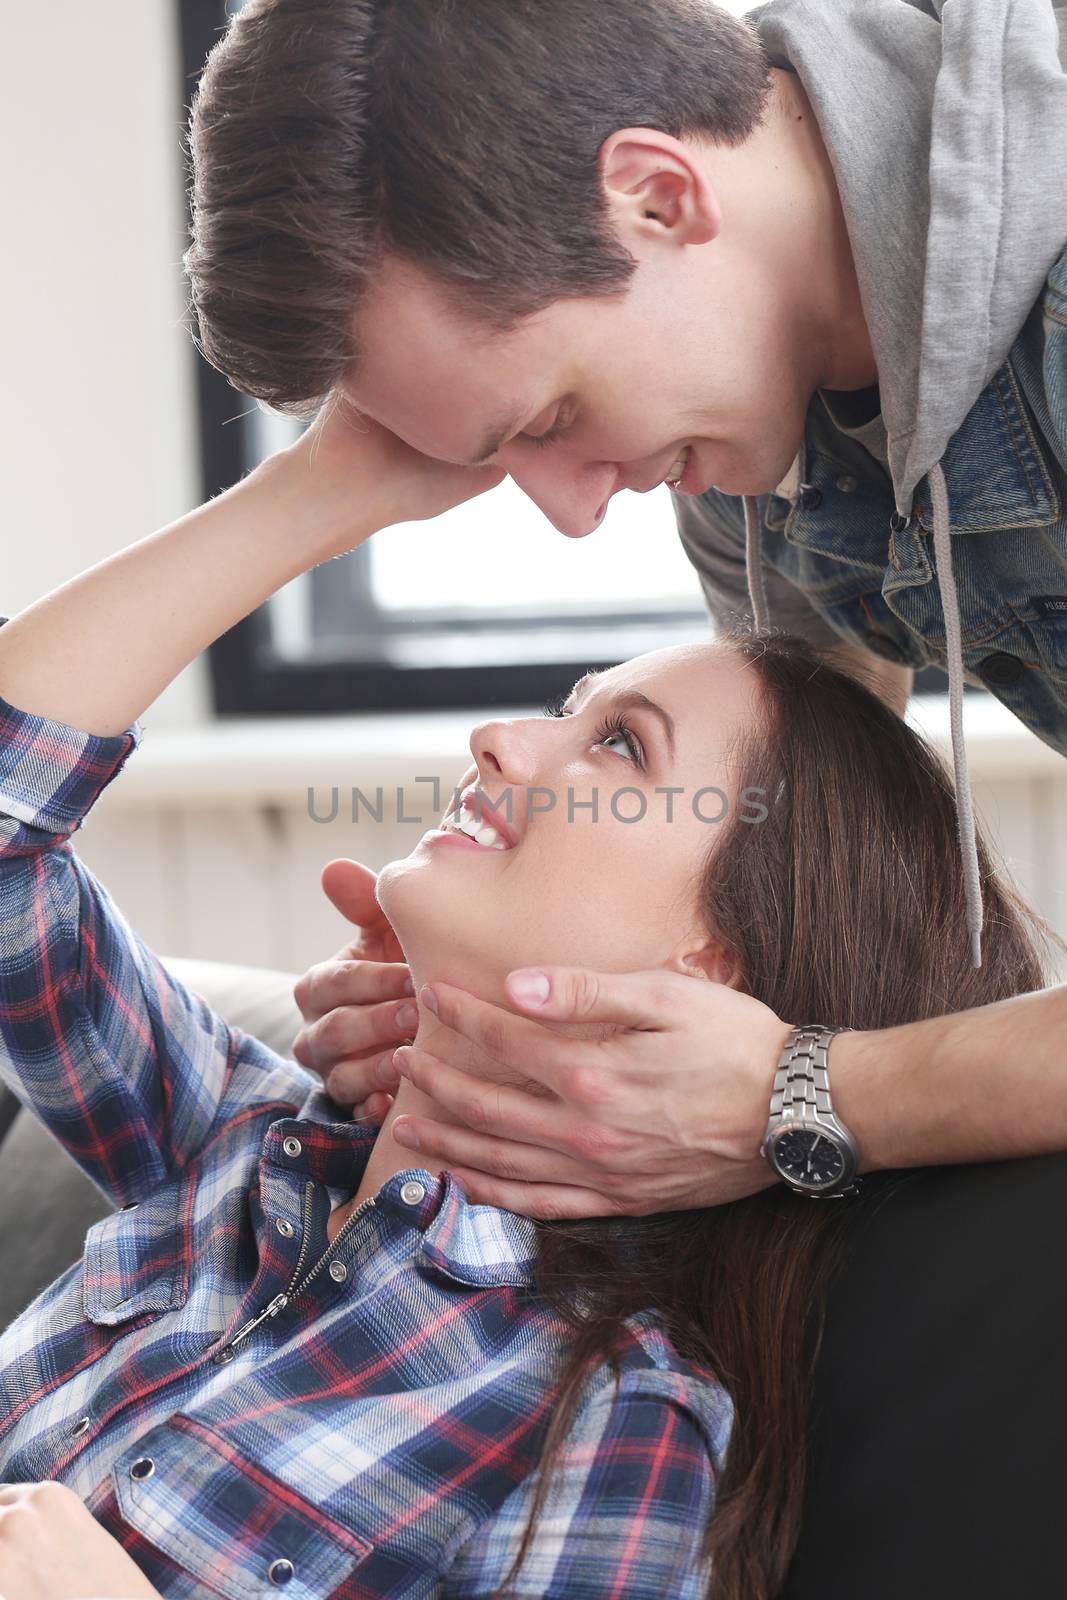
<point x="632" y="700"/>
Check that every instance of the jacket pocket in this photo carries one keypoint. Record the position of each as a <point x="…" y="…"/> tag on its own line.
<point x="227" y="1522"/>
<point x="136" y="1261"/>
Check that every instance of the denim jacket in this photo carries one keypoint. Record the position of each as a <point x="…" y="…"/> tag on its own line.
<point x="844" y="547"/>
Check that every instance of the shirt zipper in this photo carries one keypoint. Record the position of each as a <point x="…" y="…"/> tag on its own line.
<point x="294" y="1287"/>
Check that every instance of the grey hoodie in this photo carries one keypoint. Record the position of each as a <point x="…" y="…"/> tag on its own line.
<point x="946" y="124"/>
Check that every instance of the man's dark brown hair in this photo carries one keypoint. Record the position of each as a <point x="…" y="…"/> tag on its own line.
<point x="462" y="135"/>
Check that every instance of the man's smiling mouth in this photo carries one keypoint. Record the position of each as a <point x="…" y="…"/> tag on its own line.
<point x="676" y="473"/>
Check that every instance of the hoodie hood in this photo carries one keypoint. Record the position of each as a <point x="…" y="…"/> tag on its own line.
<point x="946" y="125"/>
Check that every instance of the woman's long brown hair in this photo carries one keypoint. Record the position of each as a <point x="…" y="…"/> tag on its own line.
<point x="845" y="907"/>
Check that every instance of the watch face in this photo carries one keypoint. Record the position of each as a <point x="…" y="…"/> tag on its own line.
<point x="809" y="1158"/>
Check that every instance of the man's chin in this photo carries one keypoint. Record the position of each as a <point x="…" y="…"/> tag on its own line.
<point x="744" y="481"/>
<point x="755" y="467"/>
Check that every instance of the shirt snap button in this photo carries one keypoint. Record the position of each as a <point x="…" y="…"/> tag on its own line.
<point x="221" y="1357"/>
<point x="286" y="1229"/>
<point x="131" y="1206"/>
<point x="338" y="1271"/>
<point x="412" y="1193"/>
<point x="292" y="1147"/>
<point x="142" y="1468"/>
<point x="82" y="1425"/>
<point x="281" y="1572"/>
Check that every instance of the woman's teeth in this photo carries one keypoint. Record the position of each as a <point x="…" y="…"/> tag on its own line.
<point x="464" y="821"/>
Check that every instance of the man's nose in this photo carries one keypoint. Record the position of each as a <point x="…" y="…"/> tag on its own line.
<point x="572" y="495"/>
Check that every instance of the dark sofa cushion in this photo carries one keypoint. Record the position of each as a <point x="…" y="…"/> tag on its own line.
<point x="48" y="1206"/>
<point x="940" y="1413"/>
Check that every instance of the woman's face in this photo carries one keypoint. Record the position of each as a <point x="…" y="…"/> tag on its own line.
<point x="613" y="808"/>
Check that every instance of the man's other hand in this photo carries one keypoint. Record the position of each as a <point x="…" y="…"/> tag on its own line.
<point x="356" y="1006"/>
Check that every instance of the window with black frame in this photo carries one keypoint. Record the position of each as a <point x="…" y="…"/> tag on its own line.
<point x="487" y="605"/>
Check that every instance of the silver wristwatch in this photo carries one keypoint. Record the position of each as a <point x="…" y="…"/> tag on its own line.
<point x="805" y="1143"/>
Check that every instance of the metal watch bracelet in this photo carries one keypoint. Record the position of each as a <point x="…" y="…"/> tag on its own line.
<point x="801" y="1100"/>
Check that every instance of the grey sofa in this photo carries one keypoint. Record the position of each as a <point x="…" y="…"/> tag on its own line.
<point x="939" y="1407"/>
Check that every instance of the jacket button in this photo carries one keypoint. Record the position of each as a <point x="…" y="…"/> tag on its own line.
<point x="281" y="1572"/>
<point x="809" y="498"/>
<point x="142" y="1468"/>
<point x="1002" y="668"/>
<point x="847" y="483"/>
<point x="898" y="524"/>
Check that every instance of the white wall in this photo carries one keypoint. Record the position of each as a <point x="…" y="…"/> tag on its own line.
<point x="97" y="419"/>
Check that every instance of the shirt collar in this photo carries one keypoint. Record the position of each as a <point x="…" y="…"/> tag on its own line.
<point x="480" y="1246"/>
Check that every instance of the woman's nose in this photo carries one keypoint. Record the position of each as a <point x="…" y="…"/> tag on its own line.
<point x="504" y="752"/>
<point x="573" y="497"/>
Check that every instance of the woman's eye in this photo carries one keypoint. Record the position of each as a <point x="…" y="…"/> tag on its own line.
<point x="617" y="728"/>
<point x="622" y="730"/>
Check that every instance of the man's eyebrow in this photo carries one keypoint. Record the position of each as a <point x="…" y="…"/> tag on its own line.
<point x="631" y="699"/>
<point x="497" y="436"/>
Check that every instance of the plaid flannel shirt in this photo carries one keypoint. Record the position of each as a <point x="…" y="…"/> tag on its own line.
<point x="379" y="1434"/>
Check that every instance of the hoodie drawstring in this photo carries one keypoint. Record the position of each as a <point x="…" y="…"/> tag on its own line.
<point x="946" y="583"/>
<point x="757" y="587"/>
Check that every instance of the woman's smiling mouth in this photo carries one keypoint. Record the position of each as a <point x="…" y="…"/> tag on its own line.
<point x="468" y="821"/>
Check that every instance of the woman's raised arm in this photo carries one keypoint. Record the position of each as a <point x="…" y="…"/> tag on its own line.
<point x="126" y="1067"/>
<point x="98" y="650"/>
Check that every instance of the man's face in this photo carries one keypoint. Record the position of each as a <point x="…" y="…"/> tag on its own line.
<point x="698" y="358"/>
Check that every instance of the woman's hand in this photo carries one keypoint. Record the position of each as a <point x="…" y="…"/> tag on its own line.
<point x="354" y="472"/>
<point x="353" y="1006"/>
<point x="51" y="1548"/>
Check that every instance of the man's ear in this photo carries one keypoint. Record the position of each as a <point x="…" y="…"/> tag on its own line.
<point x="657" y="188"/>
<point x="701" y="957"/>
